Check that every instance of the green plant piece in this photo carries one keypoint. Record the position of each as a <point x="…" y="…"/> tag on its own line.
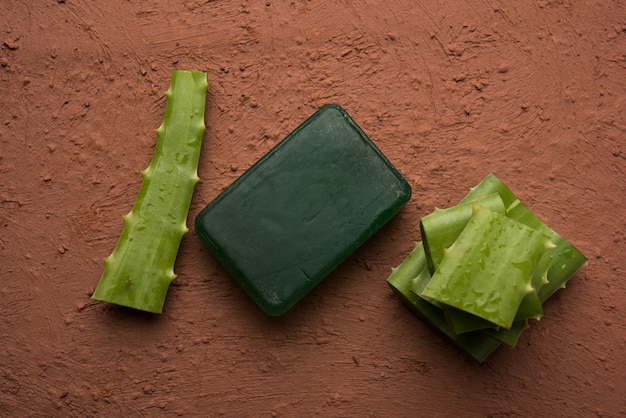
<point x="476" y="344"/>
<point x="561" y="262"/>
<point x="567" y="259"/>
<point x="476" y="275"/>
<point x="549" y="273"/>
<point x="461" y="321"/>
<point x="530" y="308"/>
<point x="509" y="337"/>
<point x="532" y="305"/>
<point x="140" y="269"/>
<point x="442" y="227"/>
<point x="566" y="262"/>
<point x="439" y="231"/>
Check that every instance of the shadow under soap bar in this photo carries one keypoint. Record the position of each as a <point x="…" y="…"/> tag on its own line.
<point x="302" y="209"/>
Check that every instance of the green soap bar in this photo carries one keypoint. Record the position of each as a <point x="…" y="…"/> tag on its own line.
<point x="302" y="209"/>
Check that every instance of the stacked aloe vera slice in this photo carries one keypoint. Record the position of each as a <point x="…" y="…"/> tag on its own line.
<point x="483" y="269"/>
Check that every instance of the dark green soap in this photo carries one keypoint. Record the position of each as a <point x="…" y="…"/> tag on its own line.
<point x="302" y="209"/>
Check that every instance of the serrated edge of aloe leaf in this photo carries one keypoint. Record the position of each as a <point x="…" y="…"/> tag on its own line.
<point x="531" y="307"/>
<point x="439" y="230"/>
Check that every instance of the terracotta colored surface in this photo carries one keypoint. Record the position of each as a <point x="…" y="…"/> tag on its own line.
<point x="533" y="91"/>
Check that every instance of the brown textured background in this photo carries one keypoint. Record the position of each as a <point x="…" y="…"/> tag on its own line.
<point x="532" y="91"/>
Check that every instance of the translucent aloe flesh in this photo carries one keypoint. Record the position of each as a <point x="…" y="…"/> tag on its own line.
<point x="140" y="269"/>
<point x="412" y="277"/>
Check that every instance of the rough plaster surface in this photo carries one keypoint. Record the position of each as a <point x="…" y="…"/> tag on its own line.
<point x="532" y="91"/>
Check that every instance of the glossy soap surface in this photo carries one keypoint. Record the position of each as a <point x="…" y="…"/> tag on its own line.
<point x="302" y="209"/>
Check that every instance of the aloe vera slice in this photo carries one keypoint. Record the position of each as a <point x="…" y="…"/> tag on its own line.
<point x="442" y="227"/>
<point x="509" y="337"/>
<point x="461" y="321"/>
<point x="488" y="270"/>
<point x="567" y="260"/>
<point x="476" y="344"/>
<point x="410" y="280"/>
<point x="530" y="308"/>
<point x="140" y="269"/>
<point x="561" y="263"/>
<point x="439" y="231"/>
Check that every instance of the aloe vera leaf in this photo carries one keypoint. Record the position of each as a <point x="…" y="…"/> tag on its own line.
<point x="140" y="269"/>
<point x="509" y="337"/>
<point x="527" y="310"/>
<point x="566" y="262"/>
<point x="476" y="344"/>
<point x="566" y="258"/>
<point x="571" y="260"/>
<point x="442" y="227"/>
<point x="488" y="270"/>
<point x="422" y="277"/>
<point x="461" y="321"/>
<point x="439" y="231"/>
<point x="530" y="307"/>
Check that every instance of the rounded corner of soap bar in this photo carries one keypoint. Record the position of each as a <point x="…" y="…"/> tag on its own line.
<point x="274" y="309"/>
<point x="406" y="190"/>
<point x="334" y="106"/>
